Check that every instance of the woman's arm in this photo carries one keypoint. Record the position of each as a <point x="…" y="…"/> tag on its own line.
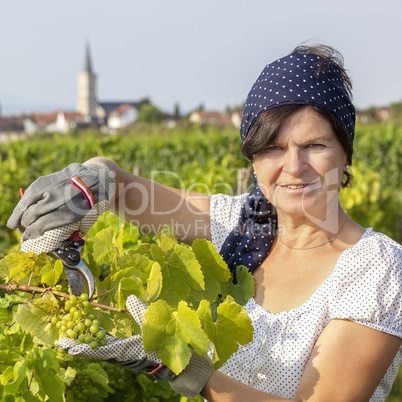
<point x="151" y="205"/>
<point x="346" y="364"/>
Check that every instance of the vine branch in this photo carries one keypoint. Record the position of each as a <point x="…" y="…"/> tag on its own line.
<point x="13" y="287"/>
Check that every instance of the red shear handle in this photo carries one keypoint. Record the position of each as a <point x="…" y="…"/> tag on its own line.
<point x="76" y="236"/>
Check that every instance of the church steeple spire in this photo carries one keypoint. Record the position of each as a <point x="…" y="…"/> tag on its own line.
<point x="87" y="60"/>
<point x="86" y="83"/>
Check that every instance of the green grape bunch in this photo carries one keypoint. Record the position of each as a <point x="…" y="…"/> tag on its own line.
<point x="117" y="376"/>
<point x="80" y="388"/>
<point x="104" y="270"/>
<point x="77" y="322"/>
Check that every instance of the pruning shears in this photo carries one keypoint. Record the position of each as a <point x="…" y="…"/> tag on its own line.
<point x="76" y="270"/>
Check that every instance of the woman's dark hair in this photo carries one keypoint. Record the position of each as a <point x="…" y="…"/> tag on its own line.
<point x="265" y="128"/>
<point x="330" y="57"/>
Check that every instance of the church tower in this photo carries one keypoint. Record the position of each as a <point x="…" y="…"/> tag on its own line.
<point x="86" y="81"/>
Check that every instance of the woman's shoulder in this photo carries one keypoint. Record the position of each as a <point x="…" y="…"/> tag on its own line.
<point x="223" y="206"/>
<point x="374" y="262"/>
<point x="378" y="245"/>
<point x="225" y="199"/>
<point x="367" y="284"/>
<point x="374" y="254"/>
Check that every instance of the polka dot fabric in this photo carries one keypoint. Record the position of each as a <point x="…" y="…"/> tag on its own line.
<point x="54" y="238"/>
<point x="365" y="287"/>
<point x="250" y="241"/>
<point x="294" y="79"/>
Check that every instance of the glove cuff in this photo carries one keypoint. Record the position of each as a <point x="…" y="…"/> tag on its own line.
<point x="105" y="175"/>
<point x="193" y="378"/>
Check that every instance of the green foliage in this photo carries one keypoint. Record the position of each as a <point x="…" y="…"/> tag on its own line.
<point x="201" y="159"/>
<point x="149" y="114"/>
<point x="171" y="277"/>
<point x="375" y="200"/>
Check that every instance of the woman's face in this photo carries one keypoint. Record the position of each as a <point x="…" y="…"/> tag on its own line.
<point x="300" y="173"/>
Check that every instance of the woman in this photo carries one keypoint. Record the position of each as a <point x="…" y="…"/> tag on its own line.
<point x="327" y="306"/>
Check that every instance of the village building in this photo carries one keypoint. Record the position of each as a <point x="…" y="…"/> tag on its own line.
<point x="108" y="116"/>
<point x="115" y="115"/>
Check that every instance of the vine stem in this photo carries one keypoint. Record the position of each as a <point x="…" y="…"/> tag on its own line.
<point x="13" y="287"/>
<point x="32" y="272"/>
<point x="30" y="382"/>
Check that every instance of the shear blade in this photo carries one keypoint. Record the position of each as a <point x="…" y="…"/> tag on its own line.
<point x="75" y="281"/>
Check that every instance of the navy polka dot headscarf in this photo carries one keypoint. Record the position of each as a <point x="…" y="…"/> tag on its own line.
<point x="292" y="79"/>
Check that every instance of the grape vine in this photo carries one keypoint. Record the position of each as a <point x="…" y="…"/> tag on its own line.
<point x="191" y="286"/>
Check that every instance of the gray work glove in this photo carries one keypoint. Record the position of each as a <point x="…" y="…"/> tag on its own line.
<point x="55" y="206"/>
<point x="129" y="353"/>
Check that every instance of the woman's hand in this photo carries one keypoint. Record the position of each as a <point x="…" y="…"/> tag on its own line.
<point x="129" y="353"/>
<point x="55" y="206"/>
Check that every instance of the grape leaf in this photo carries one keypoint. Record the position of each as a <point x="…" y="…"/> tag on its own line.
<point x="92" y="265"/>
<point x="98" y="375"/>
<point x="4" y="316"/>
<point x="51" y="275"/>
<point x="125" y="325"/>
<point x="171" y="332"/>
<point x="140" y="263"/>
<point x="104" y="252"/>
<point x="127" y="287"/>
<point x="28" y="396"/>
<point x="35" y="317"/>
<point x="154" y="283"/>
<point x="47" y="302"/>
<point x="7" y="375"/>
<point x="244" y="288"/>
<point x="232" y="327"/>
<point x="26" y="343"/>
<point x="46" y="365"/>
<point x="19" y="374"/>
<point x="67" y="375"/>
<point x="119" y="239"/>
<point x="144" y="249"/>
<point x="4" y="303"/>
<point x="17" y="265"/>
<point x="211" y="261"/>
<point x="166" y="238"/>
<point x="9" y="357"/>
<point x="180" y="272"/>
<point x="203" y="311"/>
<point x="157" y="253"/>
<point x="213" y="268"/>
<point x="129" y="272"/>
<point x="113" y="290"/>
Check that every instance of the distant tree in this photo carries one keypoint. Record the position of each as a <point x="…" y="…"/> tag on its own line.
<point x="235" y="108"/>
<point x="144" y="101"/>
<point x="177" y="113"/>
<point x="149" y="114"/>
<point x="396" y="111"/>
<point x="200" y="108"/>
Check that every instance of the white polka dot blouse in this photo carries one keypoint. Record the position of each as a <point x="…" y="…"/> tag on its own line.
<point x="365" y="287"/>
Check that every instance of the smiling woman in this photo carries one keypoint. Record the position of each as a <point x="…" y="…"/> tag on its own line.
<point x="327" y="309"/>
<point x="327" y="304"/>
<point x="301" y="167"/>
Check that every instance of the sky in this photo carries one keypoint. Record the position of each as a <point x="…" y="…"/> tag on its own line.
<point x="187" y="52"/>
